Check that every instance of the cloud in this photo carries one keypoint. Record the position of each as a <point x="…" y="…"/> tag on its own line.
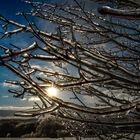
<point x="14" y="108"/>
<point x="41" y="74"/>
<point x="89" y="101"/>
<point x="5" y="96"/>
<point x="30" y="99"/>
<point x="24" y="99"/>
<point x="5" y="84"/>
<point x="36" y="66"/>
<point x="34" y="99"/>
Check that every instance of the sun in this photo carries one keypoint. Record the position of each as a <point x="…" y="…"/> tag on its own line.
<point x="52" y="91"/>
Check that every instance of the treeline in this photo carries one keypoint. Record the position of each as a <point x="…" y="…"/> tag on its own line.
<point x="43" y="128"/>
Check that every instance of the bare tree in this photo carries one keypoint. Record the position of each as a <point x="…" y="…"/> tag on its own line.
<point x="89" y="53"/>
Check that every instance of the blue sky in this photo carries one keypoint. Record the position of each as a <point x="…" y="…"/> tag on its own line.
<point x="9" y="8"/>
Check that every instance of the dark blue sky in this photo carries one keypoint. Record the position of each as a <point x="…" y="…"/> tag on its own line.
<point x="8" y="8"/>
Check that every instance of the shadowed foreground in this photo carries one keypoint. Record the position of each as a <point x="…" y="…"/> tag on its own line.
<point x="29" y="127"/>
<point x="54" y="128"/>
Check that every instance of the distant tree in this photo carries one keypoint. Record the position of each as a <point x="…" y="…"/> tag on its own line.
<point x="89" y="51"/>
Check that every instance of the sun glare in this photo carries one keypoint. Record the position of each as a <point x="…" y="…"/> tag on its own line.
<point x="52" y="91"/>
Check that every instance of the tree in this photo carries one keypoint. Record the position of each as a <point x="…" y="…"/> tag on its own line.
<point x="89" y="55"/>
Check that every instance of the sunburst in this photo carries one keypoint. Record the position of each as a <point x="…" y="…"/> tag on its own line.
<point x="52" y="91"/>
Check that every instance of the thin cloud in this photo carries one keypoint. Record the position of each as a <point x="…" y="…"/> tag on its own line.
<point x="14" y="108"/>
<point x="36" y="66"/>
<point x="34" y="99"/>
<point x="5" y="96"/>
<point x="5" y="84"/>
<point x="24" y="99"/>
